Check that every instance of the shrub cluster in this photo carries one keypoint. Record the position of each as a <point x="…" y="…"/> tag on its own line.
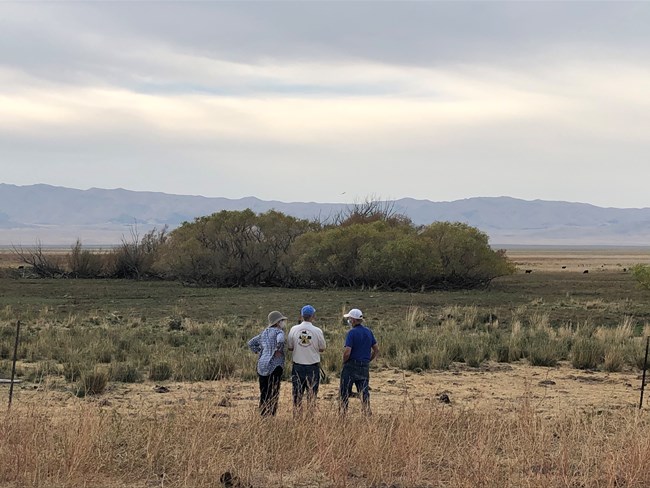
<point x="370" y="248"/>
<point x="133" y="259"/>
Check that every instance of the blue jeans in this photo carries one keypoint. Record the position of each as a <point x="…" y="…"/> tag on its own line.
<point x="305" y="377"/>
<point x="355" y="373"/>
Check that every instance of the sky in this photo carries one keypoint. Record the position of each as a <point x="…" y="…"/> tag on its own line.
<point x="330" y="101"/>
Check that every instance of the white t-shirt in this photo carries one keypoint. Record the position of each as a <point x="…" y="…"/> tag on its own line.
<point x="306" y="340"/>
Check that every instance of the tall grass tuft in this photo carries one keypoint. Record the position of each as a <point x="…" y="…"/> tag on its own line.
<point x="160" y="371"/>
<point x="125" y="373"/>
<point x="92" y="383"/>
<point x="587" y="353"/>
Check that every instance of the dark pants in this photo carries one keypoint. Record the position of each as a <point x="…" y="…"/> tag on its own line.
<point x="305" y="377"/>
<point x="355" y="373"/>
<point x="270" y="392"/>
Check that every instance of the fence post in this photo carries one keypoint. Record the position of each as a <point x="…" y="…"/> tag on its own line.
<point x="645" y="365"/>
<point x="13" y="365"/>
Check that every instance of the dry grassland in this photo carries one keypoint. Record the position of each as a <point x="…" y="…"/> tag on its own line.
<point x="507" y="424"/>
<point x="502" y="429"/>
<point x="578" y="259"/>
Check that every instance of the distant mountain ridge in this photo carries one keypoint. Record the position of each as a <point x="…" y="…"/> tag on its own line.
<point x="58" y="216"/>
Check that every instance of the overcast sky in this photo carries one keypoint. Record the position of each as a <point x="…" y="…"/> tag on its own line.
<point x="330" y="101"/>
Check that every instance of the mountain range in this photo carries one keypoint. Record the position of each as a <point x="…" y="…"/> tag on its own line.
<point x="55" y="215"/>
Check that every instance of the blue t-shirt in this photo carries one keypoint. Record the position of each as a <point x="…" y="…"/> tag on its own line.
<point x="361" y="339"/>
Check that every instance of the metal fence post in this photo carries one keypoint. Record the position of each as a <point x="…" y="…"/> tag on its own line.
<point x="645" y="365"/>
<point x="13" y="365"/>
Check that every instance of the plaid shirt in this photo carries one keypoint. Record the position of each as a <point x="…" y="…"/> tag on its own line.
<point x="266" y="344"/>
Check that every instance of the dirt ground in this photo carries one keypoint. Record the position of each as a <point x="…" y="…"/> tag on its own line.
<point x="492" y="388"/>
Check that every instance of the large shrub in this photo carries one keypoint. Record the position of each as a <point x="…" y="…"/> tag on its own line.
<point x="396" y="255"/>
<point x="233" y="248"/>
<point x="641" y="273"/>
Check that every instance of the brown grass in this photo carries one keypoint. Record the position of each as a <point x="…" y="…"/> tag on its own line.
<point x="434" y="446"/>
<point x="551" y="259"/>
<point x="506" y="426"/>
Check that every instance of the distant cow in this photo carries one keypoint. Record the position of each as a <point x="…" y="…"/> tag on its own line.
<point x="528" y="271"/>
<point x="585" y="271"/>
<point x="563" y="267"/>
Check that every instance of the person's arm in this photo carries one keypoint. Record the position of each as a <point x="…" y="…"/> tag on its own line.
<point x="374" y="352"/>
<point x="347" y="349"/>
<point x="322" y="345"/>
<point x="346" y="353"/>
<point x="254" y="344"/>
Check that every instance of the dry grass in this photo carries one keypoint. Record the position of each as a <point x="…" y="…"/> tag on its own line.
<point x="193" y="445"/>
<point x="578" y="259"/>
<point x="506" y="426"/>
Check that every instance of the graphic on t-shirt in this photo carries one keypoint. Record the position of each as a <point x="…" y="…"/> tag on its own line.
<point x="304" y="338"/>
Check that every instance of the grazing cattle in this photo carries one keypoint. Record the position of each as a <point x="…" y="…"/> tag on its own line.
<point x="585" y="271"/>
<point x="624" y="270"/>
<point x="563" y="267"/>
<point x="528" y="271"/>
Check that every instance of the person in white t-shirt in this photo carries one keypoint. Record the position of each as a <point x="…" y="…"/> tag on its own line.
<point x="306" y="342"/>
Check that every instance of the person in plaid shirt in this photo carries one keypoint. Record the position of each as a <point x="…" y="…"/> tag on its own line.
<point x="269" y="344"/>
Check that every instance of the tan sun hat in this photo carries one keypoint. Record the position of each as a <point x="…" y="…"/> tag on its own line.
<point x="275" y="317"/>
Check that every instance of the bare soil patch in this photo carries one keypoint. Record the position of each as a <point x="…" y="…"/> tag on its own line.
<point x="495" y="387"/>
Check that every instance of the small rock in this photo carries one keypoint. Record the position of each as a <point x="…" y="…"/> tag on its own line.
<point x="225" y="402"/>
<point x="444" y="398"/>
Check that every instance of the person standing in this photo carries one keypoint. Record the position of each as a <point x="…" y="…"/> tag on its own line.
<point x="269" y="344"/>
<point x="360" y="348"/>
<point x="306" y="341"/>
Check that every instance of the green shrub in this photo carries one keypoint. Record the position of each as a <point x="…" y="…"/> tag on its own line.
<point x="637" y="354"/>
<point x="587" y="353"/>
<point x="43" y="369"/>
<point x="502" y="353"/>
<point x="160" y="371"/>
<point x="92" y="383"/>
<point x="5" y="351"/>
<point x="220" y="366"/>
<point x="474" y="353"/>
<point x="391" y="351"/>
<point x="125" y="373"/>
<point x="5" y="368"/>
<point x="440" y="359"/>
<point x="542" y="350"/>
<point x="72" y="370"/>
<point x="177" y="339"/>
<point x="419" y="361"/>
<point x="641" y="273"/>
<point x="105" y="355"/>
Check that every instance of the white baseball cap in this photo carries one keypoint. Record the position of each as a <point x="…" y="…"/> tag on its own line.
<point x="355" y="313"/>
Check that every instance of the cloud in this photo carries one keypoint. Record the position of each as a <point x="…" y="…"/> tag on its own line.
<point x="487" y="98"/>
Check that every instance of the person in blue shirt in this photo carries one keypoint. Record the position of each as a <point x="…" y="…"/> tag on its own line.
<point x="360" y="348"/>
